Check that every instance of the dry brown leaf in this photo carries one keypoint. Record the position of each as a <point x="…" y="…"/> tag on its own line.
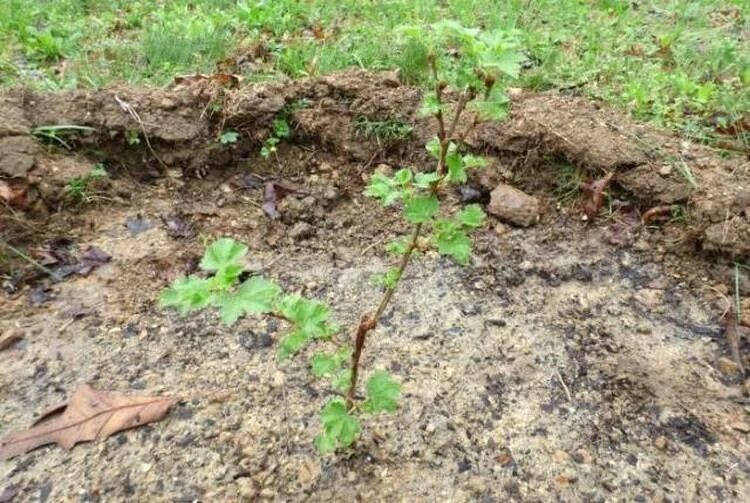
<point x="595" y="191"/>
<point x="89" y="415"/>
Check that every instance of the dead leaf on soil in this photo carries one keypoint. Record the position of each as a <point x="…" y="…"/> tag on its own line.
<point x="14" y="194"/>
<point x="657" y="212"/>
<point x="89" y="415"/>
<point x="10" y="340"/>
<point x="595" y="191"/>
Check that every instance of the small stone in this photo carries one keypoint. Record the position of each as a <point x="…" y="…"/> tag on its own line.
<point x="476" y="485"/>
<point x="665" y="170"/>
<point x="649" y="297"/>
<point x="331" y="194"/>
<point x="430" y="428"/>
<point x="351" y="476"/>
<point x="728" y="367"/>
<point x="511" y="205"/>
<point x="583" y="457"/>
<point x="501" y="229"/>
<point x="560" y="456"/>
<point x="470" y="194"/>
<point x="325" y="167"/>
<point x="301" y="230"/>
<point x="267" y="493"/>
<point x="660" y="442"/>
<point x="746" y="388"/>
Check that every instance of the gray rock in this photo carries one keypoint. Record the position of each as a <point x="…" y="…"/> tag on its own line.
<point x="301" y="230"/>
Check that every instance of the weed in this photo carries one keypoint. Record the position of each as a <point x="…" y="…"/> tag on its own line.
<point x="59" y="132"/>
<point x="281" y="128"/>
<point x="133" y="136"/>
<point x="229" y="137"/>
<point x="78" y="188"/>
<point x="485" y="57"/>
<point x="386" y="132"/>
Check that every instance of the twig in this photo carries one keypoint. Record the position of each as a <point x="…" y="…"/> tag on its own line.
<point x="564" y="386"/>
<point x="30" y="260"/>
<point x="127" y="107"/>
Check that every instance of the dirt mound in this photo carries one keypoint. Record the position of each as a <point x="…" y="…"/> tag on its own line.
<point x="182" y="126"/>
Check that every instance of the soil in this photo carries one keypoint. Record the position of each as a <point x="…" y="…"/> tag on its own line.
<point x="574" y="359"/>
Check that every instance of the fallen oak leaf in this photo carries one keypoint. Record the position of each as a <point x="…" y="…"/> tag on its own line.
<point x="89" y="415"/>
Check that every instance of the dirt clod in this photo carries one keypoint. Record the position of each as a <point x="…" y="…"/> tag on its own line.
<point x="514" y="206"/>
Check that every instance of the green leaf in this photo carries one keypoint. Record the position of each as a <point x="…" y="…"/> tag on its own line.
<point x="455" y="164"/>
<point x="495" y="108"/>
<point x="187" y="294"/>
<point x="474" y="161"/>
<point x="223" y="253"/>
<point x="383" y="188"/>
<point x="228" y="137"/>
<point x="226" y="277"/>
<point x="290" y="344"/>
<point x="281" y="128"/>
<point x="420" y="209"/>
<point x="503" y="58"/>
<point x="340" y="428"/>
<point x="430" y="105"/>
<point x="309" y="316"/>
<point x="256" y="295"/>
<point x="326" y="365"/>
<point x="382" y="393"/>
<point x="472" y="216"/>
<point x="403" y="176"/>
<point x="452" y="241"/>
<point x="433" y="147"/>
<point x="425" y="180"/>
<point x="398" y="247"/>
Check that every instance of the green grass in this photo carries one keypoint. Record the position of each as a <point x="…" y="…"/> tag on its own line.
<point x="681" y="64"/>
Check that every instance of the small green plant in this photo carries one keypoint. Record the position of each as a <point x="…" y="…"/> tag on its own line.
<point x="133" y="136"/>
<point x="58" y="133"/>
<point x="281" y="127"/>
<point x="78" y="187"/>
<point x="229" y="137"/>
<point x="386" y="132"/>
<point x="482" y="60"/>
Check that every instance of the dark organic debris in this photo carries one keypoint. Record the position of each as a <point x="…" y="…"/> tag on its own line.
<point x="656" y="213"/>
<point x="9" y="493"/>
<point x="732" y="335"/>
<point x="138" y="224"/>
<point x="269" y="201"/>
<point x="39" y="295"/>
<point x="89" y="415"/>
<point x="63" y="263"/>
<point x="14" y="193"/>
<point x="178" y="227"/>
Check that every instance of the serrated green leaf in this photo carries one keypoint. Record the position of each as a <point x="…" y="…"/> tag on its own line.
<point x="290" y="344"/>
<point x="425" y="180"/>
<point x="452" y="241"/>
<point x="255" y="296"/>
<point x="281" y="128"/>
<point x="383" y="188"/>
<point x="398" y="247"/>
<point x="403" y="176"/>
<point x="309" y="316"/>
<point x="188" y="294"/>
<point x="420" y="209"/>
<point x="326" y="365"/>
<point x="227" y="276"/>
<point x="504" y="59"/>
<point x="433" y="147"/>
<point x="430" y="105"/>
<point x="340" y="428"/>
<point x="222" y="253"/>
<point x="474" y="161"/>
<point x="382" y="393"/>
<point x="472" y="216"/>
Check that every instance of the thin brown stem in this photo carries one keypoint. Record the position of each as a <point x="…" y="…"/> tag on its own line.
<point x="463" y="100"/>
<point x="370" y="322"/>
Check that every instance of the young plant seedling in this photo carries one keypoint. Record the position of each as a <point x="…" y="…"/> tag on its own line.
<point x="483" y="60"/>
<point x="281" y="128"/>
<point x="78" y="187"/>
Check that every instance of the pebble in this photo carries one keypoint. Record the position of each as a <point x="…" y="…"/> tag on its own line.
<point x="660" y="442"/>
<point x="476" y="485"/>
<point x="746" y="387"/>
<point x="665" y="170"/>
<point x="583" y="457"/>
<point x="514" y="206"/>
<point x="740" y="426"/>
